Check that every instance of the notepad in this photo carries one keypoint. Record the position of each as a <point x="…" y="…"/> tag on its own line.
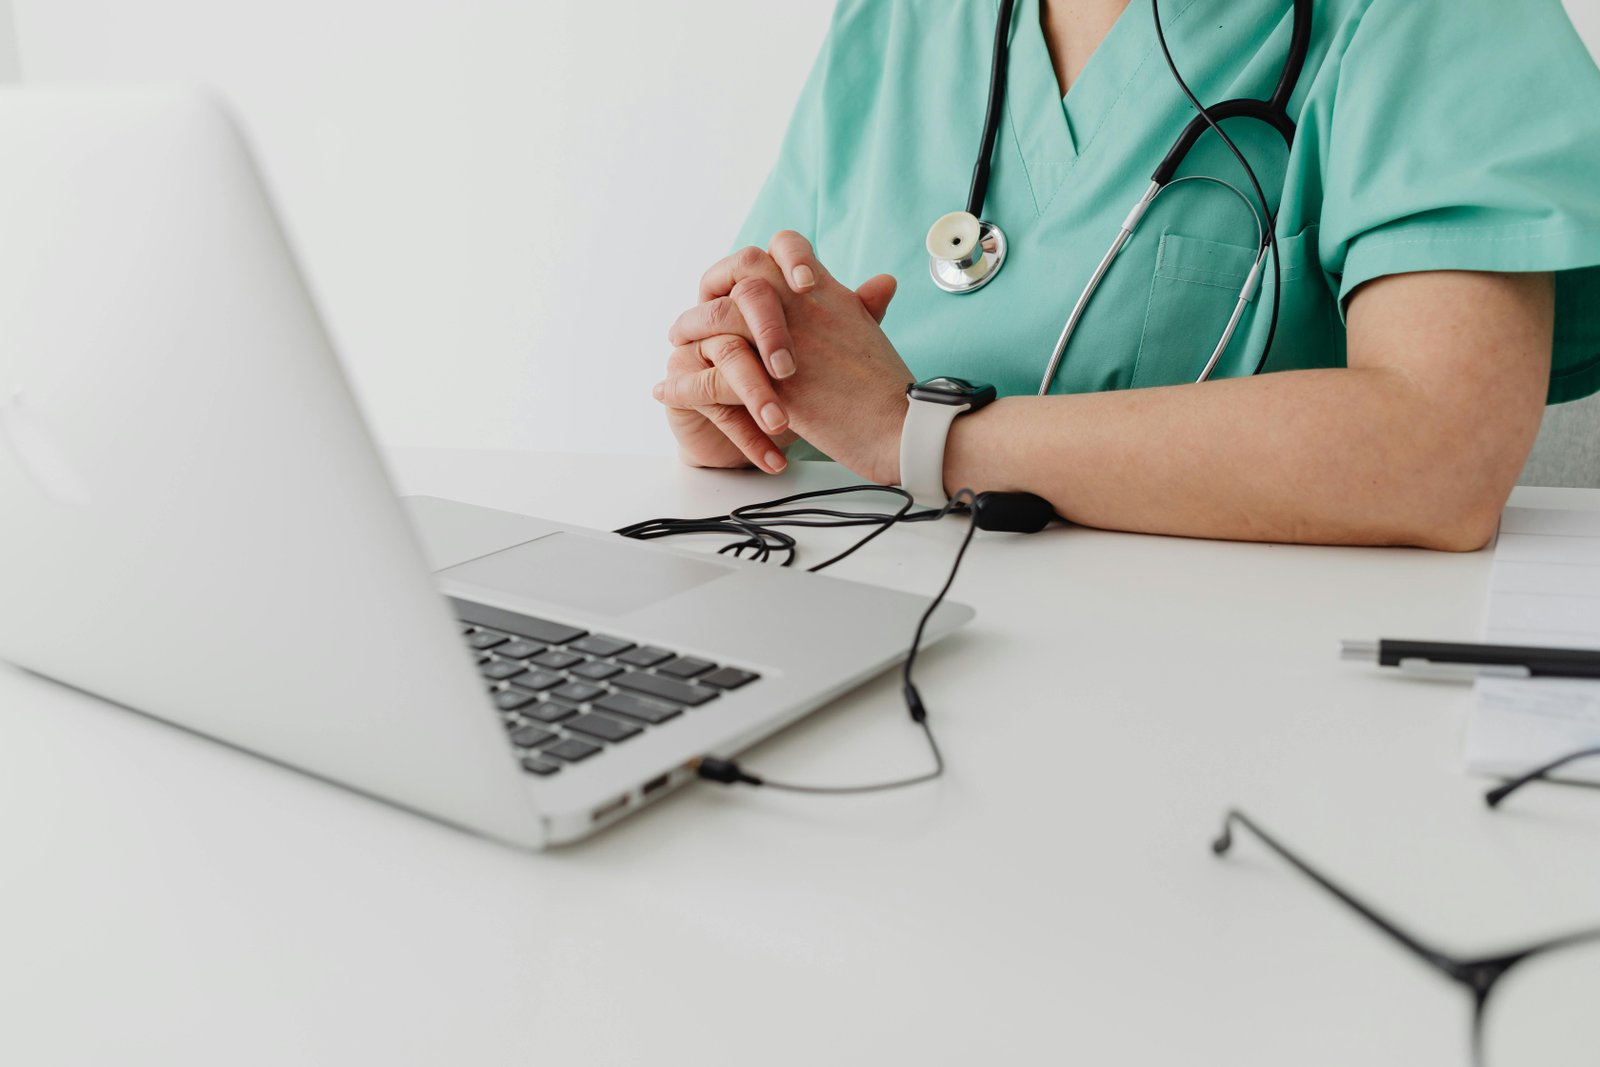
<point x="1544" y="589"/>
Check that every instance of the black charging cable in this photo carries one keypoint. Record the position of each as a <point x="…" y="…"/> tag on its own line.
<point x="757" y="528"/>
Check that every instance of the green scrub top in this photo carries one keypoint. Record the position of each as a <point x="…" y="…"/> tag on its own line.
<point x="1433" y="135"/>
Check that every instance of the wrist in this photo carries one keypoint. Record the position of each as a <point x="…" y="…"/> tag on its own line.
<point x="972" y="458"/>
<point x="887" y="470"/>
<point x="935" y="406"/>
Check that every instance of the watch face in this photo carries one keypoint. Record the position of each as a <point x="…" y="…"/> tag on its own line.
<point x="947" y="390"/>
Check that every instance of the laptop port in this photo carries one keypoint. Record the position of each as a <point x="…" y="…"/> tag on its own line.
<point x="609" y="809"/>
<point x="655" y="784"/>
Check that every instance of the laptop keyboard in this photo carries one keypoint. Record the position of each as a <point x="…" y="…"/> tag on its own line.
<point x="566" y="695"/>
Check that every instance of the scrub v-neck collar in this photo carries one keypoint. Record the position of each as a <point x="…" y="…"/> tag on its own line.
<point x="1051" y="130"/>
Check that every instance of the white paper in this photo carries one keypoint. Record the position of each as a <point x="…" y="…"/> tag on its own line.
<point x="1544" y="590"/>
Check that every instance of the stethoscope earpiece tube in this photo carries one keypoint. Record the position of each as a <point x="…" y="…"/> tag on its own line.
<point x="1129" y="224"/>
<point x="1274" y="112"/>
<point x="1135" y="216"/>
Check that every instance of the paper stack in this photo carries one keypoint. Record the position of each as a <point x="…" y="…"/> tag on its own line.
<point x="1544" y="590"/>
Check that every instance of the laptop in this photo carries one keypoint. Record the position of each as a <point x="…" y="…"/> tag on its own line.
<point x="198" y="527"/>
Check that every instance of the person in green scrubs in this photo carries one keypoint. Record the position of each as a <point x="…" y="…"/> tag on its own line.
<point x="1438" y="224"/>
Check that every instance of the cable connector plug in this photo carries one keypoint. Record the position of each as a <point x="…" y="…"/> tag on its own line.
<point x="1012" y="512"/>
<point x="725" y="771"/>
<point x="914" y="703"/>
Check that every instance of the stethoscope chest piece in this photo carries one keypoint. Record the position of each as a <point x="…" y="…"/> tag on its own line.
<point x="964" y="253"/>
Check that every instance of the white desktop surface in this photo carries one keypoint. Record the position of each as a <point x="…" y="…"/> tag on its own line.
<point x="1054" y="899"/>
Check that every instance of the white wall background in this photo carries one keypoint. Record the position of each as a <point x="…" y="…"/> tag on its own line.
<point x="8" y="44"/>
<point x="500" y="203"/>
<point x="1586" y="16"/>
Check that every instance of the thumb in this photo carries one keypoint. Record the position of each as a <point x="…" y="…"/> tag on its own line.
<point x="875" y="294"/>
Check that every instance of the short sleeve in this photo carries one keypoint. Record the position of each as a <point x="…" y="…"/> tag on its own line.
<point x="1465" y="135"/>
<point x="788" y="198"/>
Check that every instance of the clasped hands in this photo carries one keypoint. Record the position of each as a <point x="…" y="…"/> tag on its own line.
<point x="776" y="349"/>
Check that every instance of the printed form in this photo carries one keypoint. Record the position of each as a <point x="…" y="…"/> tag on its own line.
<point x="1544" y="590"/>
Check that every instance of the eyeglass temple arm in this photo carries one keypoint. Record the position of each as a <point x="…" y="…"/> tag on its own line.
<point x="1494" y="796"/>
<point x="1452" y="967"/>
<point x="1564" y="941"/>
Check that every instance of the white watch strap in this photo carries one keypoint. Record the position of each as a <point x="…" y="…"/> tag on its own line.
<point x="922" y="440"/>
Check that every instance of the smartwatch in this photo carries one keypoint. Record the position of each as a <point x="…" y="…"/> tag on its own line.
<point x="931" y="406"/>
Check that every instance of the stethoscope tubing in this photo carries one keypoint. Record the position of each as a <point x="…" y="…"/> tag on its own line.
<point x="1126" y="231"/>
<point x="1272" y="111"/>
<point x="1131" y="223"/>
<point x="979" y="190"/>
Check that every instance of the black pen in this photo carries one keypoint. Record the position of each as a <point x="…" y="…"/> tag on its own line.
<point x="1436" y="659"/>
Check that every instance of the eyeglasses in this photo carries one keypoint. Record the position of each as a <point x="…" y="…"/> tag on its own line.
<point x="1545" y="997"/>
<point x="1498" y="794"/>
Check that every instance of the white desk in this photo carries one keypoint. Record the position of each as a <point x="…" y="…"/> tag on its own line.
<point x="167" y="900"/>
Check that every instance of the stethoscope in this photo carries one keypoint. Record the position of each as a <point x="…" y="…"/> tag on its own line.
<point x="966" y="251"/>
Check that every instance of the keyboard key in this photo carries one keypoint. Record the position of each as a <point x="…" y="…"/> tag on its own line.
<point x="603" y="728"/>
<point x="596" y="645"/>
<point x="539" y="766"/>
<point x="530" y="736"/>
<point x="550" y="633"/>
<point x="536" y="680"/>
<point x="576" y="692"/>
<point x="665" y="688"/>
<point x="684" y="667"/>
<point x="571" y="750"/>
<point x="501" y="669"/>
<point x="728" y="678"/>
<point x="512" y="699"/>
<point x="519" y="649"/>
<point x="644" y="709"/>
<point x="549" y="711"/>
<point x="486" y="639"/>
<point x="557" y="659"/>
<point x="644" y="656"/>
<point x="596" y="670"/>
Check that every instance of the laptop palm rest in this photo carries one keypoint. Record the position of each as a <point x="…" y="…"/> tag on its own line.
<point x="451" y="532"/>
<point x="586" y="574"/>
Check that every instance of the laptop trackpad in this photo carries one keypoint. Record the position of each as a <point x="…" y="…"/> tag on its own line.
<point x="586" y="574"/>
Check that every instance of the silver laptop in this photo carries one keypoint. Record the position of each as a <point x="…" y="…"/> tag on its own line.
<point x="195" y="524"/>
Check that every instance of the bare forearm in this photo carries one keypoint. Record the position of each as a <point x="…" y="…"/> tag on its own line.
<point x="1326" y="456"/>
<point x="1417" y="442"/>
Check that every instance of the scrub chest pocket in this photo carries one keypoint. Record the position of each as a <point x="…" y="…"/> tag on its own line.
<point x="1193" y="292"/>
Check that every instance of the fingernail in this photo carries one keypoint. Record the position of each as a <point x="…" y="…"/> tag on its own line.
<point x="660" y="391"/>
<point x="783" y="363"/>
<point x="776" y="462"/>
<point x="803" y="277"/>
<point x="772" y="417"/>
